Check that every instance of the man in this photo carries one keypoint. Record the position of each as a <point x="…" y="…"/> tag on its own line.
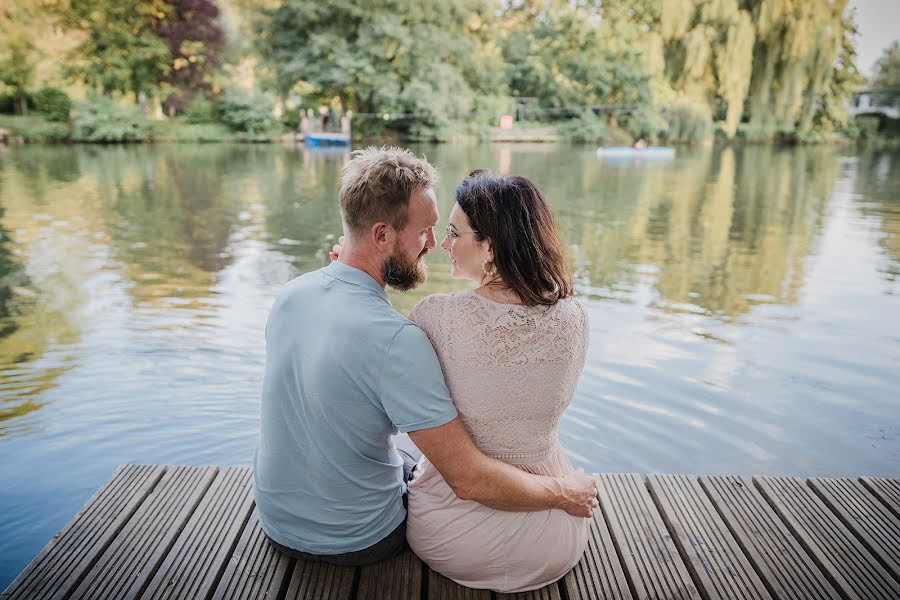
<point x="345" y="372"/>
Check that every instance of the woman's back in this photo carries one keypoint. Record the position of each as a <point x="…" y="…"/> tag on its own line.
<point x="511" y="371"/>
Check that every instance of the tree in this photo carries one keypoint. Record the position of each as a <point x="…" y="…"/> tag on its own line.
<point x="195" y="44"/>
<point x="887" y="77"/>
<point x="572" y="55"/>
<point x="17" y="52"/>
<point x="427" y="62"/>
<point x="798" y="47"/>
<point x="121" y="51"/>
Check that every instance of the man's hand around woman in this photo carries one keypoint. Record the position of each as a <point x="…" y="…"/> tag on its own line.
<point x="336" y="249"/>
<point x="579" y="494"/>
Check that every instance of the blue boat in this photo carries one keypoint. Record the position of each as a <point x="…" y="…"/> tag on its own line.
<point x="629" y="153"/>
<point x="322" y="138"/>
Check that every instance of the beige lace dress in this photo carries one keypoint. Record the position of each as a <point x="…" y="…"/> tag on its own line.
<point x="511" y="371"/>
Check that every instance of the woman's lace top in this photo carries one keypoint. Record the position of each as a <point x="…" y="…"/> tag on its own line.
<point x="511" y="369"/>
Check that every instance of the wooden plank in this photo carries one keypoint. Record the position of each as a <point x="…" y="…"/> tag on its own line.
<point x="872" y="522"/>
<point x="64" y="561"/>
<point x="598" y="574"/>
<point x="886" y="490"/>
<point x="131" y="560"/>
<point x="256" y="569"/>
<point x="398" y="578"/>
<point x="845" y="561"/>
<point x="651" y="562"/>
<point x="200" y="554"/>
<point x="444" y="588"/>
<point x="320" y="581"/>
<point x="714" y="558"/>
<point x="548" y="592"/>
<point x="786" y="569"/>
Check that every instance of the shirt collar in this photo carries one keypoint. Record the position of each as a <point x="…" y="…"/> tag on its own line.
<point x="354" y="276"/>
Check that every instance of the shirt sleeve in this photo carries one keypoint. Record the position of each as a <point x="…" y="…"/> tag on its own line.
<point x="413" y="391"/>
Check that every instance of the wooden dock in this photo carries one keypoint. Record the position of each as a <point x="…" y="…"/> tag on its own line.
<point x="167" y="532"/>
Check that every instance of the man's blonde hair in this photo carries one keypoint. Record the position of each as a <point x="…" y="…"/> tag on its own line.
<point x="376" y="184"/>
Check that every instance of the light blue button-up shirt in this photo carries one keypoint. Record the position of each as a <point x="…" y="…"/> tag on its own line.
<point x="344" y="372"/>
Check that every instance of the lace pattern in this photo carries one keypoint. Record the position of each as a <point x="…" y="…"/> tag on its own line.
<point x="511" y="370"/>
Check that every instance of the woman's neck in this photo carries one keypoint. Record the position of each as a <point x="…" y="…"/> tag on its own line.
<point x="498" y="292"/>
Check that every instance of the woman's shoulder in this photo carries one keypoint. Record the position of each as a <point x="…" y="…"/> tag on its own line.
<point x="428" y="307"/>
<point x="570" y="310"/>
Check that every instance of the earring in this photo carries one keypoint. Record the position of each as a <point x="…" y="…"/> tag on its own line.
<point x="486" y="271"/>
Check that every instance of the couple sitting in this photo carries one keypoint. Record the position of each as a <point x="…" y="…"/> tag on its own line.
<point x="478" y="379"/>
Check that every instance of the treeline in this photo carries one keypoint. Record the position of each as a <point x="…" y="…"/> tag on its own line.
<point x="680" y="70"/>
<point x="684" y="69"/>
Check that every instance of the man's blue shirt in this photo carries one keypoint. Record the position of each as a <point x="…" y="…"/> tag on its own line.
<point x="344" y="372"/>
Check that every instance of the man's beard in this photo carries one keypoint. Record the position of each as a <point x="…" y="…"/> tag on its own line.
<point x="403" y="274"/>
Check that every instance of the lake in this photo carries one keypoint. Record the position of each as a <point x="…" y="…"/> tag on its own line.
<point x="744" y="306"/>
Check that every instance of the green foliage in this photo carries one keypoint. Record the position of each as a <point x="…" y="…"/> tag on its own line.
<point x="772" y="69"/>
<point x="121" y="51"/>
<point x="290" y="120"/>
<point x="9" y="103"/>
<point x="645" y="123"/>
<point x="53" y="103"/>
<point x="201" y="110"/>
<point x="35" y="128"/>
<point x="182" y="129"/>
<point x="250" y="114"/>
<point x="587" y="128"/>
<point x="426" y="71"/>
<point x="876" y="125"/>
<point x="560" y="55"/>
<point x="867" y="125"/>
<point x="887" y="77"/>
<point x="689" y="122"/>
<point x="102" y="120"/>
<point x="16" y="73"/>
<point x="18" y="54"/>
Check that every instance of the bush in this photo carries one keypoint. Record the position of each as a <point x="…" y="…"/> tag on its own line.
<point x="689" y="121"/>
<point x="201" y="110"/>
<point x="35" y="128"/>
<point x="102" y="120"/>
<point x="250" y="114"/>
<point x="645" y="123"/>
<point x="179" y="129"/>
<point x="586" y="129"/>
<point x="53" y="103"/>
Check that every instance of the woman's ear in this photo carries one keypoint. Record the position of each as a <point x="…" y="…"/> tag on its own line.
<point x="490" y="249"/>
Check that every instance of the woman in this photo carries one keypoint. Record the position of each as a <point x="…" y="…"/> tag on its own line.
<point x="512" y="350"/>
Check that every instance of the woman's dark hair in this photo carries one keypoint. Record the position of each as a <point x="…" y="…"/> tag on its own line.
<point x="528" y="254"/>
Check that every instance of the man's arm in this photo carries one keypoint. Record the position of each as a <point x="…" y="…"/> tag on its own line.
<point x="496" y="484"/>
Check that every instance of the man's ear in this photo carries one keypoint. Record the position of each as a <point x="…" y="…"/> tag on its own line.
<point x="383" y="236"/>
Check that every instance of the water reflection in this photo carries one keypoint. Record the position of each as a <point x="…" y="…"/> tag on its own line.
<point x="878" y="199"/>
<point x="714" y="233"/>
<point x="742" y="301"/>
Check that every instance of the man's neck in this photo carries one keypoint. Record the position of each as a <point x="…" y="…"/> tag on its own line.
<point x="365" y="262"/>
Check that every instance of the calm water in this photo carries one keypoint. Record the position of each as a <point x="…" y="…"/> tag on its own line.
<point x="744" y="304"/>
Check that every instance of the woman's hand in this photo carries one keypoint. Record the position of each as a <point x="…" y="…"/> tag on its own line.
<point x="336" y="249"/>
<point x="578" y="494"/>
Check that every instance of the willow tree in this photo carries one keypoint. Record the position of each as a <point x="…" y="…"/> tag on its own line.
<point x="706" y="50"/>
<point x="798" y="43"/>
